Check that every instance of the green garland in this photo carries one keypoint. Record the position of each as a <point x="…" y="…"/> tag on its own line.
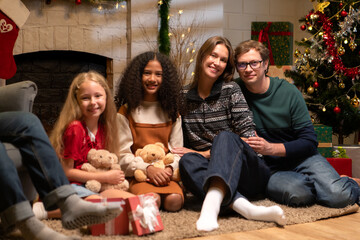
<point x="163" y="38"/>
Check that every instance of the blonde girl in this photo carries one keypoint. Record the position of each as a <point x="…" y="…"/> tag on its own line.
<point x="87" y="120"/>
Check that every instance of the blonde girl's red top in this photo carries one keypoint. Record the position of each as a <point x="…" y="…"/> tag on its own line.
<point x="77" y="142"/>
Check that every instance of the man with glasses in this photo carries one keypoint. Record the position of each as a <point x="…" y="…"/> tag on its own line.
<point x="286" y="137"/>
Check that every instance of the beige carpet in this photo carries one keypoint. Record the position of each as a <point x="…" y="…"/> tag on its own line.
<point x="182" y="224"/>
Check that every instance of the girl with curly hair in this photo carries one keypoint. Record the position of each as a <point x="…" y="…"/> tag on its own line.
<point x="149" y="101"/>
<point x="87" y="120"/>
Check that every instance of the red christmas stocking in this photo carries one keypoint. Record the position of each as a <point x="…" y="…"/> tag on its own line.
<point x="8" y="35"/>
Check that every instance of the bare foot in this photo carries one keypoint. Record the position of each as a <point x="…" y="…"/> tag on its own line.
<point x="355" y="179"/>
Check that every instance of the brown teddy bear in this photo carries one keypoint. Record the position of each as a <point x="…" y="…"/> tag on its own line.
<point x="102" y="160"/>
<point x="155" y="155"/>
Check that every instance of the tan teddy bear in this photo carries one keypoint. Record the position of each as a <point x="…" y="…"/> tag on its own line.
<point x="155" y="155"/>
<point x="102" y="160"/>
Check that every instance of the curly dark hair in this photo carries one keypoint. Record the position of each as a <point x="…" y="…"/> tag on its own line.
<point x="130" y="89"/>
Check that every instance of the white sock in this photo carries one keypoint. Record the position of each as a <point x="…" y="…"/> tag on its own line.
<point x="77" y="212"/>
<point x="210" y="210"/>
<point x="260" y="213"/>
<point x="39" y="211"/>
<point x="33" y="229"/>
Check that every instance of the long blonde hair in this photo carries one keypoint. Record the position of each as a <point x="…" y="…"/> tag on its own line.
<point x="71" y="111"/>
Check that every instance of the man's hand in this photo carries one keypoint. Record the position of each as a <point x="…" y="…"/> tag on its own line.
<point x="260" y="145"/>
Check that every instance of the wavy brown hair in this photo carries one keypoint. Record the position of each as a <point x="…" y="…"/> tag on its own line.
<point x="130" y="89"/>
<point x="71" y="111"/>
<point x="205" y="50"/>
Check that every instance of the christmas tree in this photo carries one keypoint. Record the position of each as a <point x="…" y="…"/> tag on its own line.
<point x="327" y="71"/>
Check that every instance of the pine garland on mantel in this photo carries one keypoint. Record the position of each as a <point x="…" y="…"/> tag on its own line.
<point x="164" y="38"/>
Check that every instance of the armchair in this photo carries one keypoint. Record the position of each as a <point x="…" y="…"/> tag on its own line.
<point x="19" y="97"/>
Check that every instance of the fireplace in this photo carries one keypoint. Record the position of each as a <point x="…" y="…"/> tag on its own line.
<point x="53" y="72"/>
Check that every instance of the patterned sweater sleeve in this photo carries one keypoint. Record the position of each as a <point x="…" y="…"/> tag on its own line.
<point x="242" y="117"/>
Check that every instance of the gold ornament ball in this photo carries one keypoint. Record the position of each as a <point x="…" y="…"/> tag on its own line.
<point x="352" y="45"/>
<point x="297" y="53"/>
<point x="310" y="90"/>
<point x="307" y="51"/>
<point x="341" y="50"/>
<point x="355" y="102"/>
<point x="342" y="85"/>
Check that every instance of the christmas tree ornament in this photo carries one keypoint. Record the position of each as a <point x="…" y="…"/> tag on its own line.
<point x="310" y="28"/>
<point x="337" y="110"/>
<point x="343" y="13"/>
<point x="78" y="2"/>
<point x="341" y="85"/>
<point x="13" y="15"/>
<point x="310" y="90"/>
<point x="355" y="101"/>
<point x="307" y="70"/>
<point x="352" y="45"/>
<point x="321" y="6"/>
<point x="303" y="27"/>
<point x="316" y="85"/>
<point x="341" y="4"/>
<point x="324" y="109"/>
<point x="346" y="41"/>
<point x="341" y="50"/>
<point x="297" y="53"/>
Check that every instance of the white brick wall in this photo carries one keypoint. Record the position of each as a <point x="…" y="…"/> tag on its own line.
<point x="62" y="25"/>
<point x="238" y="15"/>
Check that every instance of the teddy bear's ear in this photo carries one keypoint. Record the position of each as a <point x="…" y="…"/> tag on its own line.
<point x="138" y="152"/>
<point x="91" y="152"/>
<point x="114" y="157"/>
<point x="160" y="145"/>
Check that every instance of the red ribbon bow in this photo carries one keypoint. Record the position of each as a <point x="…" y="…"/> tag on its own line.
<point x="264" y="38"/>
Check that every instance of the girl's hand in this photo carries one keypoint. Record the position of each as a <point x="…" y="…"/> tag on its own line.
<point x="158" y="176"/>
<point x="183" y="150"/>
<point x="114" y="176"/>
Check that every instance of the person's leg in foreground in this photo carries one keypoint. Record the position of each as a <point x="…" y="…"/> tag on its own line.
<point x="226" y="174"/>
<point x="25" y="131"/>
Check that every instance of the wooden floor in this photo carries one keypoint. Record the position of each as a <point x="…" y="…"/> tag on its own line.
<point x="340" y="228"/>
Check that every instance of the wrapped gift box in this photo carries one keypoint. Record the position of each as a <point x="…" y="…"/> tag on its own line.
<point x="144" y="214"/>
<point x="342" y="165"/>
<point x="116" y="226"/>
<point x="278" y="37"/>
<point x="353" y="152"/>
<point x="324" y="137"/>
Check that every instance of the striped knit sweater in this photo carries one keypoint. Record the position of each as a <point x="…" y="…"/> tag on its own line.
<point x="225" y="109"/>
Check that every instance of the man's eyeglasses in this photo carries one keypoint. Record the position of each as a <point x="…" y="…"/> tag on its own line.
<point x="252" y="64"/>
